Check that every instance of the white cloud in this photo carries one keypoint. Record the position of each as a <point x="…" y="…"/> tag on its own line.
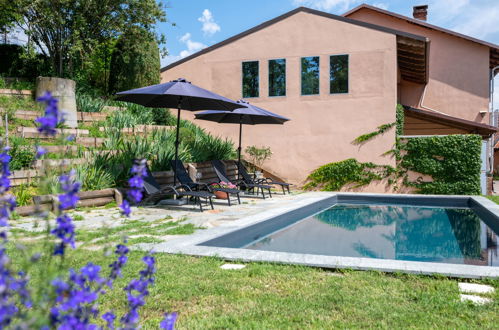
<point x="192" y="47"/>
<point x="482" y="24"/>
<point x="327" y="5"/>
<point x="210" y="27"/>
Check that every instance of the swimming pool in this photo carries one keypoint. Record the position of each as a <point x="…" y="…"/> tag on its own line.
<point x="412" y="233"/>
<point x="449" y="235"/>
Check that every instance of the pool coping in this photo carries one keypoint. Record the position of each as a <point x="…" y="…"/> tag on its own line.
<point x="189" y="245"/>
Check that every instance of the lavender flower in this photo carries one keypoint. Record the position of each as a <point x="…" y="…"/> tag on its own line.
<point x="125" y="208"/>
<point x="136" y="184"/>
<point x="51" y="117"/>
<point x="40" y="152"/>
<point x="137" y="291"/>
<point x="65" y="231"/>
<point x="7" y="202"/>
<point x="109" y="317"/>
<point x="116" y="266"/>
<point x="168" y="322"/>
<point x="70" y="188"/>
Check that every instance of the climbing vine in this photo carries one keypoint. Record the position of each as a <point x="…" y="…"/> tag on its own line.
<point x="451" y="164"/>
<point x="333" y="176"/>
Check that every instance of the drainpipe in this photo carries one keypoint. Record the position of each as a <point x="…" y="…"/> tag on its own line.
<point x="492" y="119"/>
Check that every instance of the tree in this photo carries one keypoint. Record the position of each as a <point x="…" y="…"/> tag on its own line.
<point x="135" y="61"/>
<point x="68" y="31"/>
<point x="9" y="14"/>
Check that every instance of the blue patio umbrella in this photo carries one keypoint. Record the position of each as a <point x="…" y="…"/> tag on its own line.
<point x="247" y="114"/>
<point x="180" y="94"/>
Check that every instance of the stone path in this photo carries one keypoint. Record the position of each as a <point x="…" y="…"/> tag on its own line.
<point x="97" y="218"/>
<point x="472" y="292"/>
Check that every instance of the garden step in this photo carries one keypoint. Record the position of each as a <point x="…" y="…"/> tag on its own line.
<point x="140" y="129"/>
<point x="60" y="149"/>
<point x="87" y="198"/>
<point x="111" y="109"/>
<point x="85" y="117"/>
<point x="58" y="162"/>
<point x="16" y="92"/>
<point x="90" y="117"/>
<point x="27" y="114"/>
<point x="90" y="141"/>
<point x="32" y="132"/>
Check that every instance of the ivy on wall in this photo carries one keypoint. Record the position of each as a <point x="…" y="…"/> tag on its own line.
<point x="333" y="176"/>
<point x="453" y="163"/>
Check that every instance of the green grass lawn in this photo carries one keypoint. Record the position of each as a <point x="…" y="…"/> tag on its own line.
<point x="493" y="198"/>
<point x="264" y="295"/>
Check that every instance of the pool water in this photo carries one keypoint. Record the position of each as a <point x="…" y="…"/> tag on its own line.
<point x="412" y="233"/>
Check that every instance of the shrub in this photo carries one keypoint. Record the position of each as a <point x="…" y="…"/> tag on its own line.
<point x="93" y="178"/>
<point x="22" y="153"/>
<point x="257" y="156"/>
<point x="87" y="103"/>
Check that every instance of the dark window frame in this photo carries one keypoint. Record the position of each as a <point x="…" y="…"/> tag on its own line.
<point x="258" y="80"/>
<point x="318" y="75"/>
<point x="285" y="77"/>
<point x="348" y="74"/>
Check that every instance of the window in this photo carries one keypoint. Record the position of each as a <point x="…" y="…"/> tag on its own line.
<point x="277" y="77"/>
<point x="310" y="75"/>
<point x="338" y="74"/>
<point x="250" y="79"/>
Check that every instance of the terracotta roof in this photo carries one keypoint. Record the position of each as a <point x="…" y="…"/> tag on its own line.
<point x="435" y="117"/>
<point x="291" y="13"/>
<point x="494" y="49"/>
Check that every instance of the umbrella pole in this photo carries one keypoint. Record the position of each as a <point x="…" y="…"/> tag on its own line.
<point x="239" y="149"/>
<point x="177" y="141"/>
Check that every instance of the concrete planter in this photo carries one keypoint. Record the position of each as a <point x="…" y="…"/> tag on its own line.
<point x="64" y="91"/>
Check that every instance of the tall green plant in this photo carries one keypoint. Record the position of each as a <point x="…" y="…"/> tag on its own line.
<point x="135" y="61"/>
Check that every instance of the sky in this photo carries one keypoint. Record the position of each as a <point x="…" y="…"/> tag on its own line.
<point x="201" y="23"/>
<point x="197" y="24"/>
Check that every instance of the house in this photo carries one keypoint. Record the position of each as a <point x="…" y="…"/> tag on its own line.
<point x="338" y="77"/>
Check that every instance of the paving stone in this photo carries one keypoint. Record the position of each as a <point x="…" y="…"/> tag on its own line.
<point x="477" y="300"/>
<point x="475" y="288"/>
<point x="232" y="266"/>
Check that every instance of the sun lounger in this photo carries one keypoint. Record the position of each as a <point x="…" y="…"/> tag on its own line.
<point x="250" y="186"/>
<point x="154" y="192"/>
<point x="247" y="177"/>
<point x="184" y="178"/>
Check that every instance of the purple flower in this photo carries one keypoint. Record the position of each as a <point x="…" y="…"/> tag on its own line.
<point x="137" y="291"/>
<point x="40" y="151"/>
<point x="136" y="184"/>
<point x="91" y="272"/>
<point x="109" y="318"/>
<point x="51" y="117"/>
<point x="135" y="195"/>
<point x="65" y="231"/>
<point x="116" y="266"/>
<point x="70" y="138"/>
<point x="125" y="208"/>
<point x="7" y="206"/>
<point x="168" y="322"/>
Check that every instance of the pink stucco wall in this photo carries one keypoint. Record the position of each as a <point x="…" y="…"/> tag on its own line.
<point x="323" y="126"/>
<point x="458" y="70"/>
